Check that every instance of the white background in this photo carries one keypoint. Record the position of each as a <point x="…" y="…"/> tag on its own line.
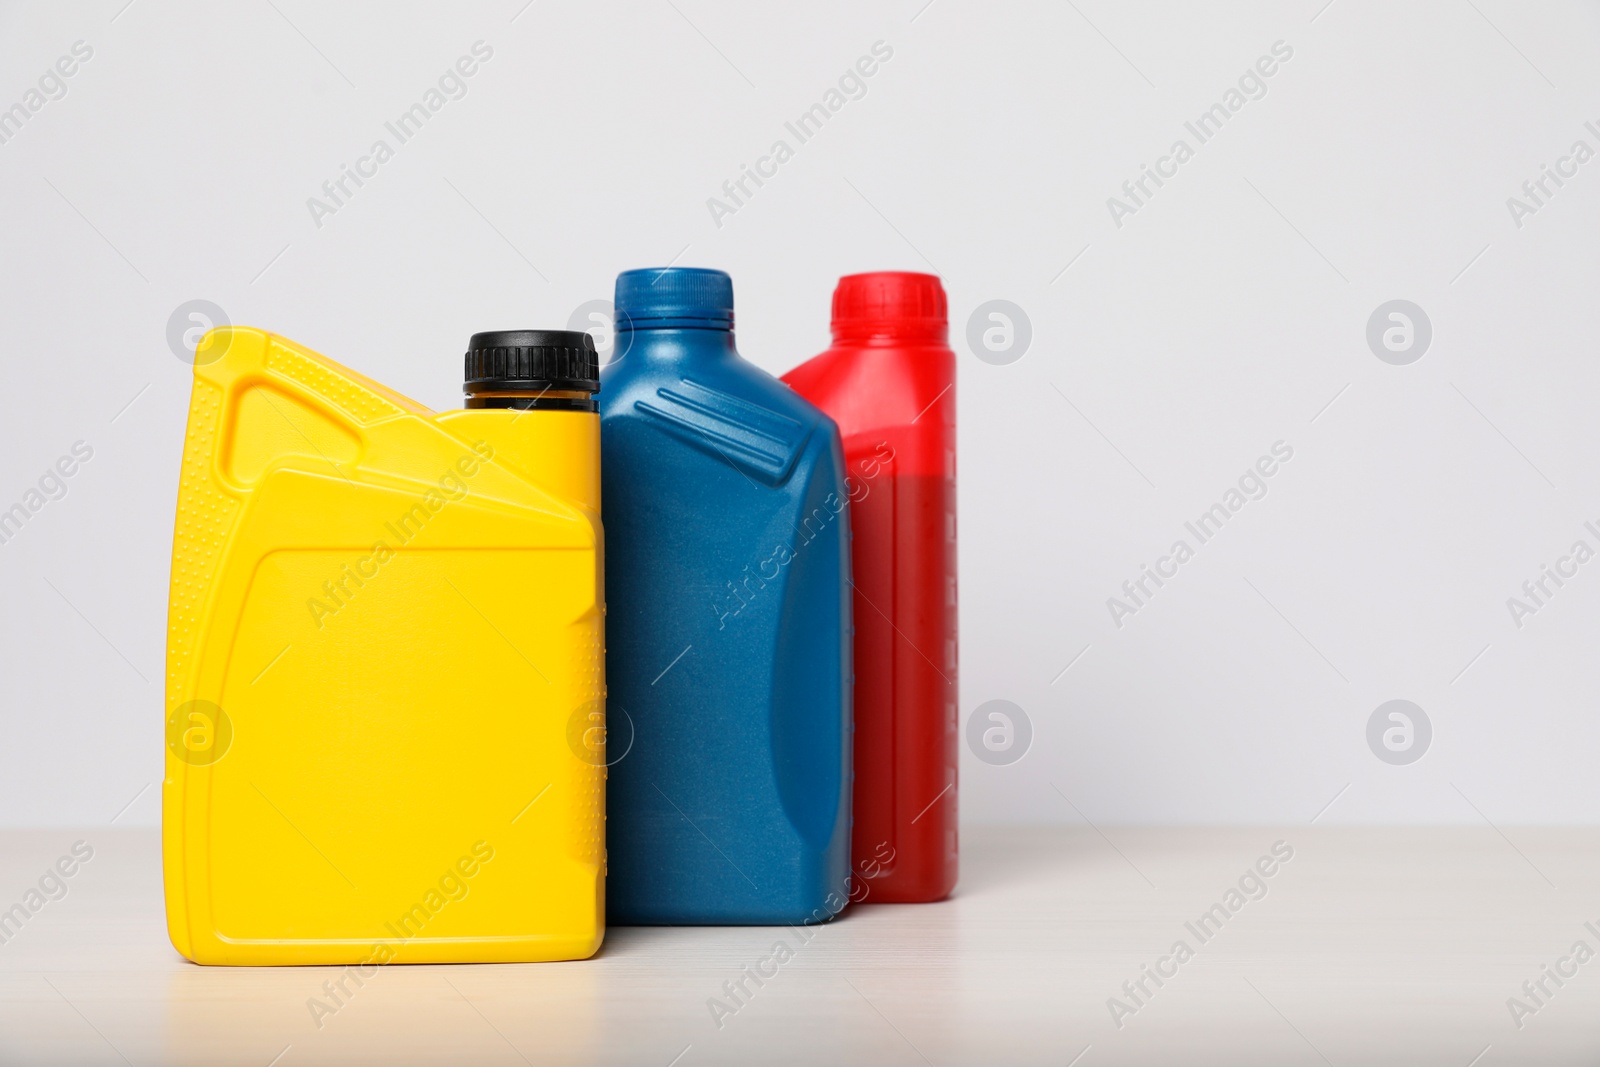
<point x="1224" y="316"/>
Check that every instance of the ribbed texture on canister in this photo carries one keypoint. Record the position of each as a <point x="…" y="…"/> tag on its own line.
<point x="690" y="295"/>
<point x="889" y="301"/>
<point x="520" y="359"/>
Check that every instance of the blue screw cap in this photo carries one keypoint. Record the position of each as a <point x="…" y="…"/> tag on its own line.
<point x="674" y="297"/>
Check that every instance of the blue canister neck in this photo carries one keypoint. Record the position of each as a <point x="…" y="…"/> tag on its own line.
<point x="676" y="340"/>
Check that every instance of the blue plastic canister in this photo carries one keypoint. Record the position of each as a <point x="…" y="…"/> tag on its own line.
<point x="728" y="622"/>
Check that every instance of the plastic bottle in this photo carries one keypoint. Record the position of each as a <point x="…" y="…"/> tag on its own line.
<point x="889" y="382"/>
<point x="384" y="662"/>
<point x="728" y="641"/>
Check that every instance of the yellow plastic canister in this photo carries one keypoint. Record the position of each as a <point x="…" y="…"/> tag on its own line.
<point x="384" y="673"/>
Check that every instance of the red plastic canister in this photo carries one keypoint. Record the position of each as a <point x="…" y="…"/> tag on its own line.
<point x="889" y="382"/>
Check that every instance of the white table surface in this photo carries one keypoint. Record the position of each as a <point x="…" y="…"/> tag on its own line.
<point x="1371" y="946"/>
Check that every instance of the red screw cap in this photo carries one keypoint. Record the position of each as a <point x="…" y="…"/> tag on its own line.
<point x="889" y="302"/>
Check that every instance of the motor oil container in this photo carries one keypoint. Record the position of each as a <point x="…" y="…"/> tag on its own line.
<point x="729" y="622"/>
<point x="889" y="382"/>
<point x="385" y="662"/>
